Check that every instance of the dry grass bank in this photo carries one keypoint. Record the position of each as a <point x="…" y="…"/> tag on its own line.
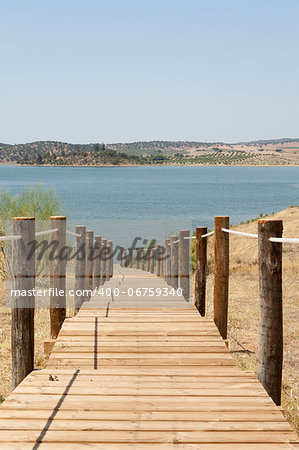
<point x="244" y="304"/>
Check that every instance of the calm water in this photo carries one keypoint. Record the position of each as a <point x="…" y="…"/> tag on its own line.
<point x="175" y="194"/>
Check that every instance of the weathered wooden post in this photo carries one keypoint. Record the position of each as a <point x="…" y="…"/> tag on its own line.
<point x="57" y="241"/>
<point x="110" y="259"/>
<point x="22" y="312"/>
<point x="121" y="255"/>
<point x="270" y="324"/>
<point x="167" y="261"/>
<point x="89" y="262"/>
<point x="97" y="269"/>
<point x="163" y="249"/>
<point x="201" y="270"/>
<point x="104" y="262"/>
<point x="158" y="260"/>
<point x="184" y="264"/>
<point x="148" y="258"/>
<point x="174" y="256"/>
<point x="142" y="258"/>
<point x="80" y="266"/>
<point x="137" y="258"/>
<point x="221" y="277"/>
<point x="130" y="257"/>
<point x="152" y="260"/>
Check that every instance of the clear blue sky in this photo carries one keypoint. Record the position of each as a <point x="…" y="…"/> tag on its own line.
<point x="125" y="70"/>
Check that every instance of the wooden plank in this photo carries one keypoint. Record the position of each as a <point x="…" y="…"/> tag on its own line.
<point x="138" y="349"/>
<point x="143" y="446"/>
<point x="141" y="390"/>
<point x="196" y="437"/>
<point x="139" y="425"/>
<point x="269" y="415"/>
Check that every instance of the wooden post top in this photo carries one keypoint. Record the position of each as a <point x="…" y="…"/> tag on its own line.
<point x="58" y="218"/>
<point x="270" y="220"/>
<point x="23" y="218"/>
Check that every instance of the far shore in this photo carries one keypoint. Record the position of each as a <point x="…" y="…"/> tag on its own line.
<point x="147" y="165"/>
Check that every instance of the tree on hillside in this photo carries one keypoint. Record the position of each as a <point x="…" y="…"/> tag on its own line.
<point x="96" y="147"/>
<point x="103" y="147"/>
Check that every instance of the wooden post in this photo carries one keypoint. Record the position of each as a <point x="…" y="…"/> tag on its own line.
<point x="148" y="259"/>
<point x="163" y="261"/>
<point x="221" y="277"/>
<point x="137" y="258"/>
<point x="201" y="270"/>
<point x="131" y="257"/>
<point x="22" y="313"/>
<point x="57" y="274"/>
<point x="174" y="280"/>
<point x="121" y="255"/>
<point x="104" y="262"/>
<point x="110" y="260"/>
<point x="158" y="260"/>
<point x="97" y="269"/>
<point x="152" y="260"/>
<point x="80" y="266"/>
<point x="184" y="264"/>
<point x="142" y="258"/>
<point x="167" y="261"/>
<point x="271" y="325"/>
<point x="89" y="262"/>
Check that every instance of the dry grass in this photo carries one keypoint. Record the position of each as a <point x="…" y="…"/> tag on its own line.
<point x="244" y="305"/>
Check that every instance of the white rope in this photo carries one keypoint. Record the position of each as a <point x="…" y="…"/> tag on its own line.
<point x="189" y="237"/>
<point x="207" y="234"/>
<point x="240" y="233"/>
<point x="73" y="234"/>
<point x="42" y="233"/>
<point x="174" y="242"/>
<point x="286" y="240"/>
<point x="9" y="238"/>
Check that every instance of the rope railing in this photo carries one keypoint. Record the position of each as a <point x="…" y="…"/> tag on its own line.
<point x="39" y="233"/>
<point x="285" y="240"/>
<point x="272" y="239"/>
<point x="9" y="238"/>
<point x="43" y="233"/>
<point x="240" y="233"/>
<point x="71" y="233"/>
<point x="174" y="242"/>
<point x="207" y="234"/>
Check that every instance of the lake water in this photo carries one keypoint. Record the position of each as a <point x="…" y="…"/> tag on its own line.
<point x="176" y="195"/>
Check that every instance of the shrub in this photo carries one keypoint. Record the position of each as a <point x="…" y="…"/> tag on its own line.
<point x="32" y="201"/>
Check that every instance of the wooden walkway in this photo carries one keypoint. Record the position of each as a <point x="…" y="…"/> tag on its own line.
<point x="142" y="373"/>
